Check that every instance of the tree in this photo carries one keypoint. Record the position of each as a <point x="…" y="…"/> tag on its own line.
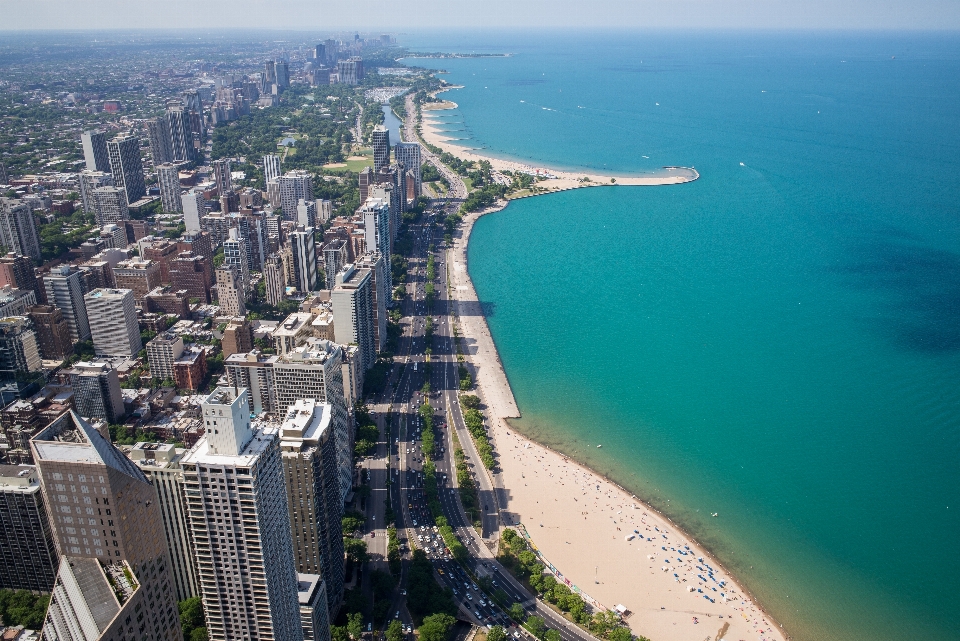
<point x="339" y="633"/>
<point x="620" y="634"/>
<point x="383" y="584"/>
<point x="355" y="549"/>
<point x="355" y="625"/>
<point x="551" y="635"/>
<point x="199" y="634"/>
<point x="192" y="619"/>
<point x="351" y="522"/>
<point x="20" y="607"/>
<point x="516" y="612"/>
<point x="436" y="627"/>
<point x="536" y="626"/>
<point x="497" y="634"/>
<point x="395" y="630"/>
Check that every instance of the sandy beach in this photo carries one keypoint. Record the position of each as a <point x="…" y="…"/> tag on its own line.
<point x="561" y="180"/>
<point x="589" y="528"/>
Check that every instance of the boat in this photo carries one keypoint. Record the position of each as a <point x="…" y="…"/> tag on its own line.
<point x="599" y="446"/>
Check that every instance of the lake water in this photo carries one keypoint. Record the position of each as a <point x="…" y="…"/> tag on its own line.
<point x="779" y="341"/>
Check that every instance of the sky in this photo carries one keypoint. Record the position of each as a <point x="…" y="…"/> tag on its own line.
<point x="410" y="15"/>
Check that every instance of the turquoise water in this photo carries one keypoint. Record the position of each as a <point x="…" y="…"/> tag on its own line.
<point x="779" y="341"/>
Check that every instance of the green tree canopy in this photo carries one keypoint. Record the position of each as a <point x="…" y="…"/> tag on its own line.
<point x="436" y="627"/>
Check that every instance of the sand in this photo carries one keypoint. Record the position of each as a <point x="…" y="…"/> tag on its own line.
<point x="580" y="521"/>
<point x="561" y="180"/>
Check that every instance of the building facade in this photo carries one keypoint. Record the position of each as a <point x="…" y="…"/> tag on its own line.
<point x="19" y="351"/>
<point x="126" y="167"/>
<point x="96" y="391"/>
<point x="94" y="145"/>
<point x="64" y="287"/>
<point x="304" y="250"/>
<point x="168" y="175"/>
<point x="28" y="555"/>
<point x="18" y="228"/>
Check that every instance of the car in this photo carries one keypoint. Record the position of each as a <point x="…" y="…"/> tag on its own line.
<point x="414" y="523"/>
<point x="475" y="587"/>
<point x="477" y="614"/>
<point x="403" y="592"/>
<point x="469" y="597"/>
<point x="483" y="603"/>
<point x="440" y="570"/>
<point x="397" y="615"/>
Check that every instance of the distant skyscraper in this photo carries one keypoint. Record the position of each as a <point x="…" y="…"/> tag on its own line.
<point x="89" y="181"/>
<point x="294" y="186"/>
<point x="303" y="246"/>
<point x="193" y="210"/>
<point x="309" y="454"/>
<point x="95" y="150"/>
<point x="274" y="280"/>
<point x="110" y="206"/>
<point x="269" y="75"/>
<point x="126" y="166"/>
<point x="230" y="292"/>
<point x="271" y="167"/>
<point x="161" y="147"/>
<point x="247" y="574"/>
<point x="53" y="335"/>
<point x="408" y="153"/>
<point x="235" y="254"/>
<point x="168" y="175"/>
<point x="352" y="299"/>
<point x="115" y="568"/>
<point x="28" y="555"/>
<point x="18" y="228"/>
<point x="96" y="389"/>
<point x="19" y="351"/>
<point x="381" y="147"/>
<point x="64" y="287"/>
<point x="319" y="54"/>
<point x="335" y="257"/>
<point x="113" y="322"/>
<point x="307" y="213"/>
<point x="350" y="71"/>
<point x="181" y="132"/>
<point x="283" y="74"/>
<point x="221" y="175"/>
<point x="365" y="179"/>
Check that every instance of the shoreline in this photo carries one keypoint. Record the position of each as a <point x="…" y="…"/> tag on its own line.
<point x="556" y="179"/>
<point x="678" y="612"/>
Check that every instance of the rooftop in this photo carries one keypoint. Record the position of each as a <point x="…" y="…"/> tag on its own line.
<point x="306" y="420"/>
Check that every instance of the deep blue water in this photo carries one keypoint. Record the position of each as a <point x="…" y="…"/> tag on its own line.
<point x="779" y="341"/>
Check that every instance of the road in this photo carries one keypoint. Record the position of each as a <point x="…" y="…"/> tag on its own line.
<point x="397" y="466"/>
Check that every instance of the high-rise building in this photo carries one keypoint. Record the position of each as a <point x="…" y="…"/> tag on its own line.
<point x="352" y="302"/>
<point x="15" y="302"/>
<point x="365" y="179"/>
<point x="312" y="370"/>
<point x="168" y="175"/>
<point x="192" y="273"/>
<point x="408" y="153"/>
<point x="381" y="147"/>
<point x="139" y="275"/>
<point x="126" y="166"/>
<point x="89" y="181"/>
<point x="113" y="322"/>
<point x="269" y="75"/>
<point x="335" y="257"/>
<point x="274" y="281"/>
<point x="283" y="74"/>
<point x="380" y="293"/>
<point x="271" y="167"/>
<point x="303" y="246"/>
<point x="96" y="389"/>
<point x="94" y="145"/>
<point x="28" y="555"/>
<point x="17" y="271"/>
<point x="19" y="351"/>
<point x="294" y="185"/>
<point x="110" y="206"/>
<point x="350" y="71"/>
<point x="158" y="133"/>
<point x="242" y="543"/>
<point x="114" y="573"/>
<point x="319" y="54"/>
<point x="307" y="213"/>
<point x="194" y="106"/>
<point x="236" y="255"/>
<point x="309" y="453"/>
<point x="53" y="334"/>
<point x="18" y="228"/>
<point x="314" y="615"/>
<point x="163" y="252"/>
<point x="162" y="352"/>
<point x="64" y="287"/>
<point x="194" y="208"/>
<point x="160" y="462"/>
<point x="230" y="294"/>
<point x="181" y="132"/>
<point x="377" y="230"/>
<point x="221" y="175"/>
<point x="237" y="337"/>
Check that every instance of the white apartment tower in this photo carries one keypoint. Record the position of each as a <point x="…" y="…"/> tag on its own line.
<point x="352" y="300"/>
<point x="271" y="167"/>
<point x="126" y="166"/>
<point x="303" y="247"/>
<point x="221" y="175"/>
<point x="112" y="314"/>
<point x="274" y="279"/>
<point x="162" y="352"/>
<point x="230" y="292"/>
<point x="408" y="153"/>
<point x="64" y="286"/>
<point x="168" y="175"/>
<point x="18" y="229"/>
<point x="307" y="213"/>
<point x="235" y="255"/>
<point x="233" y="481"/>
<point x="110" y="205"/>
<point x="294" y="186"/>
<point x="193" y="210"/>
<point x="90" y="180"/>
<point x="95" y="150"/>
